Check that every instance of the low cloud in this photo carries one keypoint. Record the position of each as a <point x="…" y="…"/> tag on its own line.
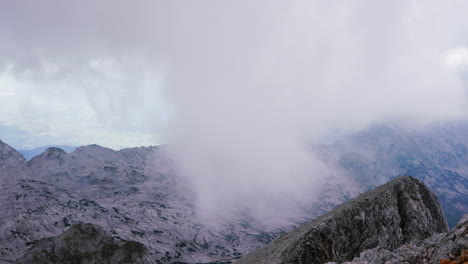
<point x="457" y="56"/>
<point x="253" y="85"/>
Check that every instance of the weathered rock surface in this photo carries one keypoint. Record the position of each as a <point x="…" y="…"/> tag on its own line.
<point x="132" y="193"/>
<point x="448" y="246"/>
<point x="84" y="244"/>
<point x="135" y="194"/>
<point x="399" y="212"/>
<point x="9" y="157"/>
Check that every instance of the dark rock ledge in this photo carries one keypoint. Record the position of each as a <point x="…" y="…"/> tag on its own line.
<point x="84" y="244"/>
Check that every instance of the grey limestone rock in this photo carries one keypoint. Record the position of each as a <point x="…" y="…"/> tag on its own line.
<point x="430" y="250"/>
<point x="84" y="244"/>
<point x="131" y="193"/>
<point x="9" y="157"/>
<point x="396" y="213"/>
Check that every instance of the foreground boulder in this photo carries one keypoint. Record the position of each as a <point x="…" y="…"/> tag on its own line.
<point x="396" y="213"/>
<point x="84" y="244"/>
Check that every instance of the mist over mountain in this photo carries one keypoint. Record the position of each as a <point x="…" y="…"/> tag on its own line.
<point x="398" y="222"/>
<point x="132" y="193"/>
<point x="136" y="194"/>
<point x="436" y="154"/>
<point x="228" y="84"/>
<point x="257" y="116"/>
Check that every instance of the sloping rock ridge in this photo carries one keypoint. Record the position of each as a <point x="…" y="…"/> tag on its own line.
<point x="85" y="244"/>
<point x="399" y="212"/>
<point x="9" y="157"/>
<point x="445" y="248"/>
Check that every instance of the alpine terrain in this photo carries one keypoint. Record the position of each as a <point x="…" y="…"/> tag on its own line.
<point x="135" y="196"/>
<point x="402" y="216"/>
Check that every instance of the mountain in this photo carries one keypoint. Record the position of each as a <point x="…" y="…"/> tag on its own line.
<point x="133" y="194"/>
<point x="396" y="213"/>
<point x="437" y="155"/>
<point x="85" y="244"/>
<point x="31" y="153"/>
<point x="136" y="195"/>
<point x="9" y="157"/>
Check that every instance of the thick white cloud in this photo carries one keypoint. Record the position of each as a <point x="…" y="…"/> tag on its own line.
<point x="83" y="71"/>
<point x="7" y="94"/>
<point x="104" y="102"/>
<point x="457" y="56"/>
<point x="253" y="84"/>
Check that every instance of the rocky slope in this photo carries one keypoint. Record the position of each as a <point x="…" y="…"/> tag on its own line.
<point x="396" y="213"/>
<point x="85" y="244"/>
<point x="136" y="195"/>
<point x="9" y="157"/>
<point x="31" y="153"/>
<point x="439" y="248"/>
<point x="133" y="194"/>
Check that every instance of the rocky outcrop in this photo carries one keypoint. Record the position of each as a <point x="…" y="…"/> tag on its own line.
<point x="399" y="212"/>
<point x="9" y="157"/>
<point x="449" y="248"/>
<point x="31" y="153"/>
<point x="85" y="244"/>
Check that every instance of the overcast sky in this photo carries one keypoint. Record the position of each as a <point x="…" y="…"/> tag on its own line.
<point x="116" y="72"/>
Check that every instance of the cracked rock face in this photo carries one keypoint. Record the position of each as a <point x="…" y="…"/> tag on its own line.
<point x="85" y="244"/>
<point x="399" y="212"/>
<point x="447" y="246"/>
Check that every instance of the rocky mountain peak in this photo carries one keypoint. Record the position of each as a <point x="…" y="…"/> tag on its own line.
<point x="396" y="213"/>
<point x="50" y="155"/>
<point x="54" y="152"/>
<point x="94" y="148"/>
<point x="9" y="157"/>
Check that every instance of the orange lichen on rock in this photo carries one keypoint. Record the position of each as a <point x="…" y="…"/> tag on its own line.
<point x="448" y="261"/>
<point x="464" y="256"/>
<point x="462" y="259"/>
